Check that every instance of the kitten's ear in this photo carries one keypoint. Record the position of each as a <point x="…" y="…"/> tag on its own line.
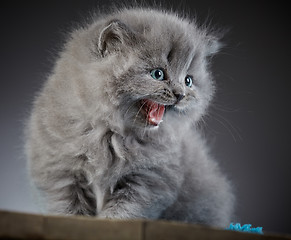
<point x="113" y="36"/>
<point x="213" y="45"/>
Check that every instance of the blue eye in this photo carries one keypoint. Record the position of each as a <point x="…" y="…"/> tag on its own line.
<point x="158" y="74"/>
<point x="188" y="81"/>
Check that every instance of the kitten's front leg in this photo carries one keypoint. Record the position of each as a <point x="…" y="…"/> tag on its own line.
<point x="67" y="192"/>
<point x="140" y="195"/>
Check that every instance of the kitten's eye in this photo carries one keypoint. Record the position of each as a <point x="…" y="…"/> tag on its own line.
<point x="188" y="81"/>
<point x="158" y="74"/>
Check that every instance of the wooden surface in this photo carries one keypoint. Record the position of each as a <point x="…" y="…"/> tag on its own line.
<point x="30" y="226"/>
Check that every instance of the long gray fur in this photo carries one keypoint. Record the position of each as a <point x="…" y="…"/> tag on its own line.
<point x="91" y="150"/>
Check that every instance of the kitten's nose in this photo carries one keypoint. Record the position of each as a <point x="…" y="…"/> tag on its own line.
<point x="179" y="96"/>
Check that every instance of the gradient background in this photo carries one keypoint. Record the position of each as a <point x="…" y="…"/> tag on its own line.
<point x="249" y="124"/>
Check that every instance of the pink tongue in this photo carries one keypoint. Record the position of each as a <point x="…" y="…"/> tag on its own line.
<point x="155" y="112"/>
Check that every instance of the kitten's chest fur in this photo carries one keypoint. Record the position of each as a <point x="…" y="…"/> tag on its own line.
<point x="128" y="154"/>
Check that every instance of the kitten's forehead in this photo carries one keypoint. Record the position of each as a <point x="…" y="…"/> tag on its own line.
<point x="165" y="40"/>
<point x="172" y="40"/>
<point x="181" y="54"/>
<point x="175" y="49"/>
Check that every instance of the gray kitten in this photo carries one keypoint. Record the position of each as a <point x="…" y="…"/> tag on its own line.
<point x="113" y="132"/>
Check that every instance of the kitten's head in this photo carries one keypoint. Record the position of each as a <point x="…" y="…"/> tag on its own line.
<point x="154" y="66"/>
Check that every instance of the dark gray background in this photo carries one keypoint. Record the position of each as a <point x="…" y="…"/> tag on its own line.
<point x="249" y="124"/>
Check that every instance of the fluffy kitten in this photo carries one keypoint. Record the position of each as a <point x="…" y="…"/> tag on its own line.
<point x="112" y="133"/>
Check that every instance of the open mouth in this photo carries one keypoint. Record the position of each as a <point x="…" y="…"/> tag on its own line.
<point x="152" y="111"/>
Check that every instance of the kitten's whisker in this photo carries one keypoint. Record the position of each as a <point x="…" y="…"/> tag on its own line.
<point x="224" y="108"/>
<point x="133" y="104"/>
<point x="136" y="115"/>
<point x="234" y="132"/>
<point x="202" y="124"/>
<point x="235" y="129"/>
<point x="145" y="127"/>
<point x="126" y="112"/>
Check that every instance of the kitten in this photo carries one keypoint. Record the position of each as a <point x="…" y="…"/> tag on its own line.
<point x="113" y="131"/>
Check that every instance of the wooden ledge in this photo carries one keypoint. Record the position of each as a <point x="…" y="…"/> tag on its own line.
<point x="31" y="226"/>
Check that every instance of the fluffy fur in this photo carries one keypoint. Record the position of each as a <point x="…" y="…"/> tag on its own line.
<point x="90" y="145"/>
